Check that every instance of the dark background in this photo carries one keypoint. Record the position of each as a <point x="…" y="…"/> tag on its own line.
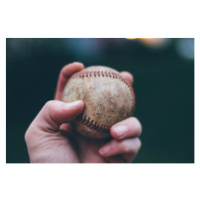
<point x="163" y="70"/>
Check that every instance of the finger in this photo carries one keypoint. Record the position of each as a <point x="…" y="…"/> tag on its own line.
<point x="128" y="77"/>
<point x="130" y="127"/>
<point x="115" y="159"/>
<point x="129" y="157"/>
<point x="66" y="72"/>
<point x="115" y="147"/>
<point x="54" y="113"/>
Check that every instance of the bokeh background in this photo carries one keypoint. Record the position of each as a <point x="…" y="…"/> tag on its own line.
<point x="163" y="70"/>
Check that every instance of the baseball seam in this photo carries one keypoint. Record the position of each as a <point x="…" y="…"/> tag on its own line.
<point x="93" y="125"/>
<point x="86" y="120"/>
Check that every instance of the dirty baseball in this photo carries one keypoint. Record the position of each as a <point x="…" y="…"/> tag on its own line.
<point x="108" y="97"/>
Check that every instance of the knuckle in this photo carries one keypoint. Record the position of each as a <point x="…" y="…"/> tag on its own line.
<point x="49" y="104"/>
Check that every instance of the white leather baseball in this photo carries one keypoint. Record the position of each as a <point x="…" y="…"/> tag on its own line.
<point x="108" y="97"/>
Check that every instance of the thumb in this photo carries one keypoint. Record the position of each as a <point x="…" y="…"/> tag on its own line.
<point x="54" y="113"/>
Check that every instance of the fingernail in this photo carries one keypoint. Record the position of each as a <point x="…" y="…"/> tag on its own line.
<point x="105" y="150"/>
<point x="75" y="103"/>
<point x="120" y="131"/>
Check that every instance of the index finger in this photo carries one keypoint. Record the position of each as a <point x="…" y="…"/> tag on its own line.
<point x="127" y="76"/>
<point x="66" y="72"/>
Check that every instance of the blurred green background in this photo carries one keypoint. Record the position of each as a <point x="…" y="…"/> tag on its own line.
<point x="163" y="70"/>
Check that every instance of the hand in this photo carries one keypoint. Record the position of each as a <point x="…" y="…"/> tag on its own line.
<point x="50" y="138"/>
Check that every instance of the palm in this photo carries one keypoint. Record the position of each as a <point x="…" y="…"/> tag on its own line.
<point x="72" y="147"/>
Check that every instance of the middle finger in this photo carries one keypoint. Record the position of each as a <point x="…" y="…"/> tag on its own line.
<point x="130" y="127"/>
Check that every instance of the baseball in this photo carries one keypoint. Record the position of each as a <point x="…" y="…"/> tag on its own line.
<point x="108" y="96"/>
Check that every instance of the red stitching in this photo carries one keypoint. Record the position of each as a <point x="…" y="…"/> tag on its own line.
<point x="83" y="118"/>
<point x="93" y="125"/>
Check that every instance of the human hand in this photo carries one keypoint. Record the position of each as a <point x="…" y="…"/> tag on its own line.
<point x="50" y="138"/>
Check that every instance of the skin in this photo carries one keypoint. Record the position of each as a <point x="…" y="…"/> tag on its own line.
<point x="50" y="138"/>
